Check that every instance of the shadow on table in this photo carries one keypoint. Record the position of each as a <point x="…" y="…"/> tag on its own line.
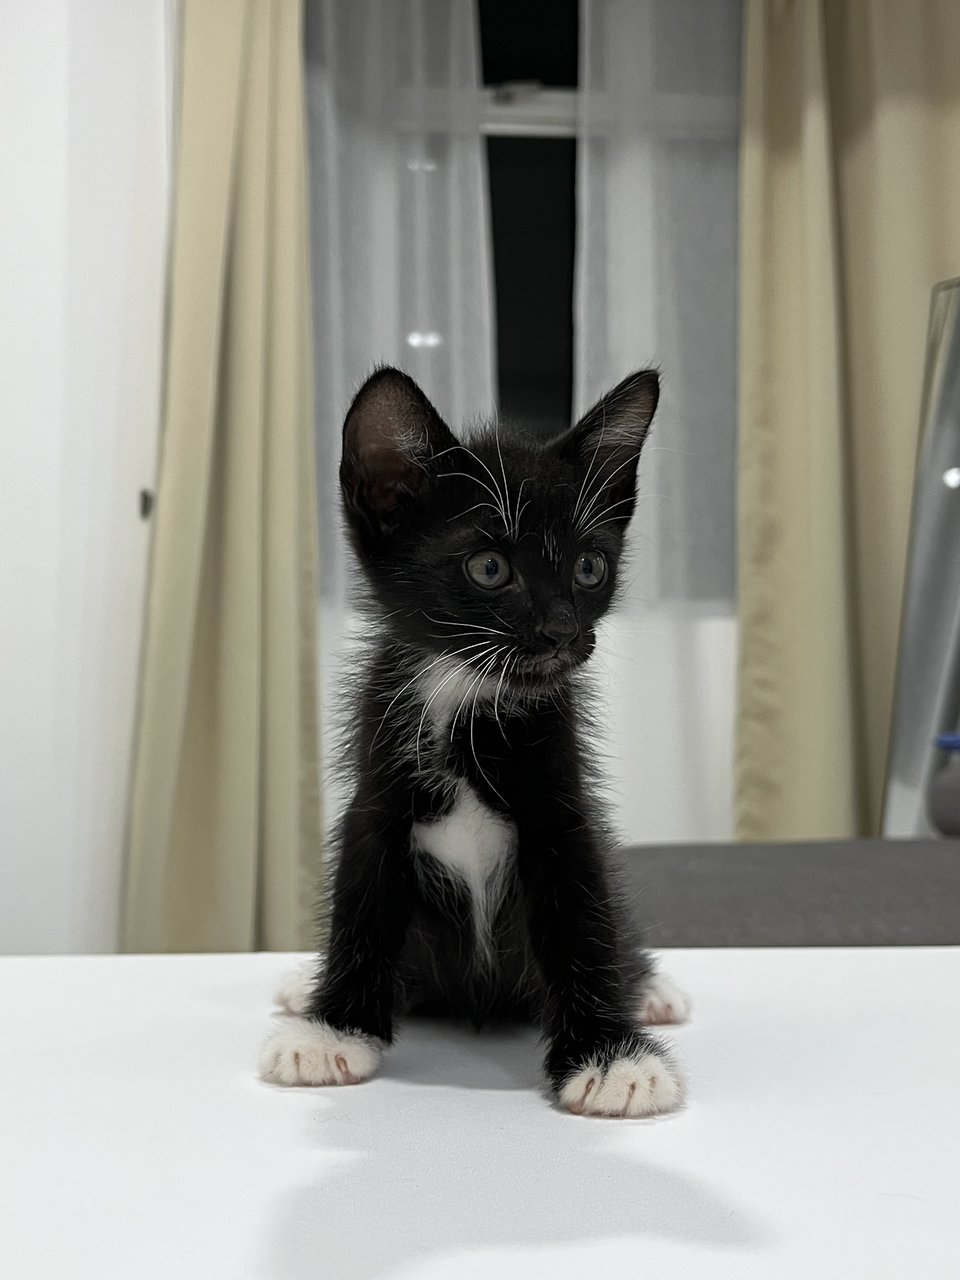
<point x="431" y="1171"/>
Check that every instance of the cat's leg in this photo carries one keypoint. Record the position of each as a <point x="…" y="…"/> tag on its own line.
<point x="347" y="1019"/>
<point x="599" y="1060"/>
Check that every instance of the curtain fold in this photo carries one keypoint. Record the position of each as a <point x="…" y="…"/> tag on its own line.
<point x="224" y="830"/>
<point x="849" y="214"/>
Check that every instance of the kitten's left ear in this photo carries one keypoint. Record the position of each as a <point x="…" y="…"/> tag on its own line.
<point x="391" y="435"/>
<point x="606" y="445"/>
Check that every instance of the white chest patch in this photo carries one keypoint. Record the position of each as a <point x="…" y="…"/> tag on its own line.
<point x="472" y="843"/>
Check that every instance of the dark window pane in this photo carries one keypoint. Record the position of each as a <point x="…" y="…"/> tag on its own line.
<point x="532" y="204"/>
<point x="529" y="40"/>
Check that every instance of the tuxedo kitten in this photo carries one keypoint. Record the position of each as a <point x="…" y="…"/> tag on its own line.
<point x="472" y="876"/>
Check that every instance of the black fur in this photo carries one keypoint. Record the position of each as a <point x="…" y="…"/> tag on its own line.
<point x="560" y="949"/>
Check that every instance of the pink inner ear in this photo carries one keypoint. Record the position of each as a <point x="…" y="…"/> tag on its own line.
<point x="390" y="433"/>
<point x="383" y="474"/>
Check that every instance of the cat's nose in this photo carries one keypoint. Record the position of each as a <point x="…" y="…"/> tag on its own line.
<point x="560" y="626"/>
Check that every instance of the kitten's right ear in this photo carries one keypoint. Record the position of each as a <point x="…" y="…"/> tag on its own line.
<point x="605" y="444"/>
<point x="390" y="436"/>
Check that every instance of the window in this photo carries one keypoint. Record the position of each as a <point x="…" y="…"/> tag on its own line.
<point x="531" y="162"/>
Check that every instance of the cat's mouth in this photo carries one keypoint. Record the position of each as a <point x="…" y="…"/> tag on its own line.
<point x="548" y="666"/>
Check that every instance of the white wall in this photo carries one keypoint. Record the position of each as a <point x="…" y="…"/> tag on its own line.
<point x="666" y="678"/>
<point x="85" y="93"/>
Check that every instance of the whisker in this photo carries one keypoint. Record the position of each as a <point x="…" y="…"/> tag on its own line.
<point x="495" y="493"/>
<point x="518" y="511"/>
<point x="511" y="526"/>
<point x="586" y="478"/>
<point x="604" y="515"/>
<point x="477" y="506"/>
<point x="468" y="626"/>
<point x="473" y="716"/>
<point x="417" y="675"/>
<point x="462" y="666"/>
<point x="465" y="475"/>
<point x="604" y="483"/>
<point x="496" y="695"/>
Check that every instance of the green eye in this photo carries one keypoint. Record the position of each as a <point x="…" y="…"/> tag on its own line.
<point x="590" y="569"/>
<point x="488" y="569"/>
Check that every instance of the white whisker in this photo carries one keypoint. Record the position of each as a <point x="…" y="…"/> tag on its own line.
<point x="604" y="483"/>
<point x="422" y="671"/>
<point x="461" y="667"/>
<point x="586" y="478"/>
<point x="473" y="716"/>
<point x="465" y="475"/>
<point x="604" y="514"/>
<point x="498" y="497"/>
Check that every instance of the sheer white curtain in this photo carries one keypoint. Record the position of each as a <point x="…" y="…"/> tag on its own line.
<point x="400" y="229"/>
<point x="656" y="283"/>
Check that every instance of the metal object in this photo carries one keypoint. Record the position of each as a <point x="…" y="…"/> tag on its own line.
<point x="927" y="699"/>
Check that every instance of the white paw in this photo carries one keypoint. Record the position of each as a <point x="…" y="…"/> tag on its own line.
<point x="663" y="1002"/>
<point x="630" y="1087"/>
<point x="301" y="1051"/>
<point x="296" y="987"/>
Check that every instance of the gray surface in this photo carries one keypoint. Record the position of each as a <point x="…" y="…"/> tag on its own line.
<point x="860" y="893"/>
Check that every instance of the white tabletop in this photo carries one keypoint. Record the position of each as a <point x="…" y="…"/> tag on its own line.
<point x="822" y="1139"/>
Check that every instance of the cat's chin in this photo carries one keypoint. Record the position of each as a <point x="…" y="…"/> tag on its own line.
<point x="548" y="669"/>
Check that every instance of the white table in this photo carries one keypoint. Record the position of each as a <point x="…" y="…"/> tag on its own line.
<point x="822" y="1140"/>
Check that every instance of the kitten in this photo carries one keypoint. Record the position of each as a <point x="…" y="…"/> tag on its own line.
<point x="472" y="876"/>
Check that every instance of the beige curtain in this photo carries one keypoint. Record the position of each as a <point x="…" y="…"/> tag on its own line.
<point x="850" y="212"/>
<point x="224" y="827"/>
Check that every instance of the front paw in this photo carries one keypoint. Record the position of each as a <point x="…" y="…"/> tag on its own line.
<point x="631" y="1080"/>
<point x="304" y="1051"/>
<point x="662" y="1002"/>
<point x="296" y="988"/>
